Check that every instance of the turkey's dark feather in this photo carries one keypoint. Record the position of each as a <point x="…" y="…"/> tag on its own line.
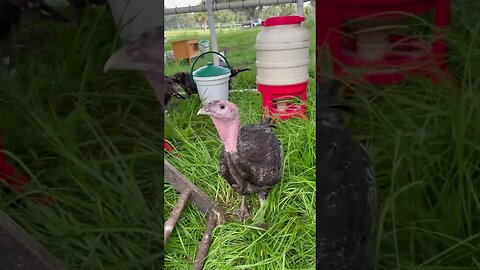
<point x="257" y="165"/>
<point x="345" y="193"/>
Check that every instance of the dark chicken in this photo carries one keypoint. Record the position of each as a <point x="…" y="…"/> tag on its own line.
<point x="10" y="16"/>
<point x="234" y="72"/>
<point x="144" y="54"/>
<point x="251" y="159"/>
<point x="170" y="90"/>
<point x="184" y="79"/>
<point x="346" y="201"/>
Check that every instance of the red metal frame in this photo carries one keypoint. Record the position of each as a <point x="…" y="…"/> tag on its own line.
<point x="331" y="13"/>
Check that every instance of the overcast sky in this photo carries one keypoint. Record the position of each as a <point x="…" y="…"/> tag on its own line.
<point x="181" y="3"/>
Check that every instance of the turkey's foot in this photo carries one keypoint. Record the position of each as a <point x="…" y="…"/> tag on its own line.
<point x="243" y="212"/>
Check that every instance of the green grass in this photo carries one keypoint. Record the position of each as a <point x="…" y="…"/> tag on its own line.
<point x="290" y="210"/>
<point x="92" y="141"/>
<point x="425" y="144"/>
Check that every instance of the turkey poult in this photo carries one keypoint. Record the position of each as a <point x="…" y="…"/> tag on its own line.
<point x="346" y="200"/>
<point x="251" y="158"/>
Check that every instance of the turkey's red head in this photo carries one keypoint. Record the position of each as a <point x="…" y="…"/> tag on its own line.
<point x="227" y="121"/>
<point x="221" y="110"/>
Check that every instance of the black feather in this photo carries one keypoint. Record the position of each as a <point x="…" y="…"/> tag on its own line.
<point x="171" y="90"/>
<point x="184" y="79"/>
<point x="257" y="165"/>
<point x="345" y="190"/>
<point x="234" y="72"/>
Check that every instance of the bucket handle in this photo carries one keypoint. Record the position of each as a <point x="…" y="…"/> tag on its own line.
<point x="198" y="57"/>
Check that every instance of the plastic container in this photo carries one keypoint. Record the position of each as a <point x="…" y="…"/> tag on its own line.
<point x="282" y="51"/>
<point x="282" y="66"/>
<point x="211" y="80"/>
<point x="204" y="45"/>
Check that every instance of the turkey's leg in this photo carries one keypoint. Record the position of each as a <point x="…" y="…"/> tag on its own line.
<point x="243" y="211"/>
<point x="262" y="197"/>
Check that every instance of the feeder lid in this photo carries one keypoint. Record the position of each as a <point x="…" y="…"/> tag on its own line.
<point x="282" y="20"/>
<point x="211" y="70"/>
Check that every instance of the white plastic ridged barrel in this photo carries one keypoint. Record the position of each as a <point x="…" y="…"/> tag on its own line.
<point x="282" y="49"/>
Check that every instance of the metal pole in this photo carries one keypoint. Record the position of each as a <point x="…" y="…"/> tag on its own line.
<point x="300" y="7"/>
<point x="314" y="12"/>
<point x="228" y="6"/>
<point x="213" y="33"/>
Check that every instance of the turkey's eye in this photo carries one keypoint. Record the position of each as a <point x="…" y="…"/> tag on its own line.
<point x="222" y="106"/>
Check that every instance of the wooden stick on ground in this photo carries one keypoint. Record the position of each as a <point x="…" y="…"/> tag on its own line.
<point x="20" y="251"/>
<point x="200" y="199"/>
<point x="175" y="215"/>
<point x="205" y="244"/>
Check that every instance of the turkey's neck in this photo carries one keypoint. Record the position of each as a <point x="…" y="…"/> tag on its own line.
<point x="228" y="132"/>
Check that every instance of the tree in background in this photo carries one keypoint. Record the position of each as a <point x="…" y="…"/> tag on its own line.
<point x="180" y="21"/>
<point x="279" y="10"/>
<point x="201" y="17"/>
<point x="225" y="16"/>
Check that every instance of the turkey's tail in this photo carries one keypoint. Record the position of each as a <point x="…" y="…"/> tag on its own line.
<point x="267" y="122"/>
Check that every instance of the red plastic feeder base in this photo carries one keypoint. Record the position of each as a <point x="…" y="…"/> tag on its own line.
<point x="278" y="101"/>
<point x="408" y="55"/>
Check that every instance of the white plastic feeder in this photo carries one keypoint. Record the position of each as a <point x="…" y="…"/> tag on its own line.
<point x="282" y="51"/>
<point x="211" y="80"/>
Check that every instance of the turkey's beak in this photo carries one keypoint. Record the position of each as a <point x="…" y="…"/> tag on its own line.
<point x="118" y="60"/>
<point x="203" y="111"/>
<point x="122" y="60"/>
